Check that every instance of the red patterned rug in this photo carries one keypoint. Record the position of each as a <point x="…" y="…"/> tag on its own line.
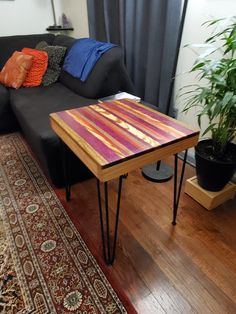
<point x="45" y="266"/>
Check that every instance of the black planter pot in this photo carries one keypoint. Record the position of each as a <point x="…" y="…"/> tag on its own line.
<point x="213" y="174"/>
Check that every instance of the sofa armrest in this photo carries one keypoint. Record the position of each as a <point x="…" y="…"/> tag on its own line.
<point x="4" y="97"/>
<point x="7" y="119"/>
<point x="107" y="77"/>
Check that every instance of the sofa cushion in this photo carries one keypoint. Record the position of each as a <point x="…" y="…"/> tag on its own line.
<point x="7" y="119"/>
<point x="16" y="69"/>
<point x="4" y="97"/>
<point x="9" y="44"/>
<point x="35" y="104"/>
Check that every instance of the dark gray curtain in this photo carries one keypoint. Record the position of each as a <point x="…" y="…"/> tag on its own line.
<point x="148" y="31"/>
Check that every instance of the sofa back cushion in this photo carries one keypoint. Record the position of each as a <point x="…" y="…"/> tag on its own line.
<point x="9" y="44"/>
<point x="63" y="40"/>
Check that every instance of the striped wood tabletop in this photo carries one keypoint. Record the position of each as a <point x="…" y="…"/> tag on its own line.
<point x="115" y="137"/>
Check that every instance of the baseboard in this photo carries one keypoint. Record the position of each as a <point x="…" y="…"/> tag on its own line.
<point x="190" y="158"/>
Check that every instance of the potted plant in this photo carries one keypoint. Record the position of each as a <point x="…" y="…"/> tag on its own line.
<point x="215" y="97"/>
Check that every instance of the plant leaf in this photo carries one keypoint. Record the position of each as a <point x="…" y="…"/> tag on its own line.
<point x="209" y="128"/>
<point x="197" y="66"/>
<point x="228" y="96"/>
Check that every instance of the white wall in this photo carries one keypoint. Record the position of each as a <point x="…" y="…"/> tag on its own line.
<point x="197" y="13"/>
<point x="76" y="11"/>
<point x="21" y="17"/>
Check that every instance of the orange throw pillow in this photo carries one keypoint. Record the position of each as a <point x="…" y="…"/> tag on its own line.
<point x="39" y="67"/>
<point x="15" y="70"/>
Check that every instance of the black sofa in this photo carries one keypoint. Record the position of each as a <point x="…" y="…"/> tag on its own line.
<point x="29" y="108"/>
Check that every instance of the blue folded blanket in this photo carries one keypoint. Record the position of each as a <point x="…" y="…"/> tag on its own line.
<point x="83" y="55"/>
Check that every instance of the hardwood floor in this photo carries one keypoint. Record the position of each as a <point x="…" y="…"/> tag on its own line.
<point x="187" y="268"/>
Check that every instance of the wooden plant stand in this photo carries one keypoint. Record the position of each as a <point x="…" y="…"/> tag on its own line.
<point x="209" y="199"/>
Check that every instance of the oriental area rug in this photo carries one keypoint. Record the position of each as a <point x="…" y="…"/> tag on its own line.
<point x="45" y="266"/>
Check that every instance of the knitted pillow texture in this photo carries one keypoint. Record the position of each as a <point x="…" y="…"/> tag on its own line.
<point x="15" y="70"/>
<point x="39" y="67"/>
<point x="55" y="57"/>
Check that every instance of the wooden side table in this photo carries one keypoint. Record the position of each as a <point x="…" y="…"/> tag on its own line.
<point x="116" y="137"/>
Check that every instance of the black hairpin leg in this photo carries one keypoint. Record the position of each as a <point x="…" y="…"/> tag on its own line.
<point x="177" y="194"/>
<point x="66" y="169"/>
<point x="108" y="250"/>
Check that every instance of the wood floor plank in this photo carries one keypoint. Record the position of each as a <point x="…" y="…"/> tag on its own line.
<point x="214" y="250"/>
<point x="174" y="263"/>
<point x="162" y="289"/>
<point x="147" y="305"/>
<point x="189" y="268"/>
<point x="130" y="280"/>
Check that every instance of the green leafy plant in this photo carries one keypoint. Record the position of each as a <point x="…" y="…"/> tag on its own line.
<point x="216" y="96"/>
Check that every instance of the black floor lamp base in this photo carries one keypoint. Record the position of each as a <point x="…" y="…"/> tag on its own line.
<point x="157" y="172"/>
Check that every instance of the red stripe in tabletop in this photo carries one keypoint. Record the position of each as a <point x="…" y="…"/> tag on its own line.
<point x="158" y="134"/>
<point x="90" y="122"/>
<point x="114" y="130"/>
<point x="159" y="117"/>
<point x="107" y="153"/>
<point x="131" y="130"/>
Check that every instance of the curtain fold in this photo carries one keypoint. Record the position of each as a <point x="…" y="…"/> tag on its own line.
<point x="148" y="31"/>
